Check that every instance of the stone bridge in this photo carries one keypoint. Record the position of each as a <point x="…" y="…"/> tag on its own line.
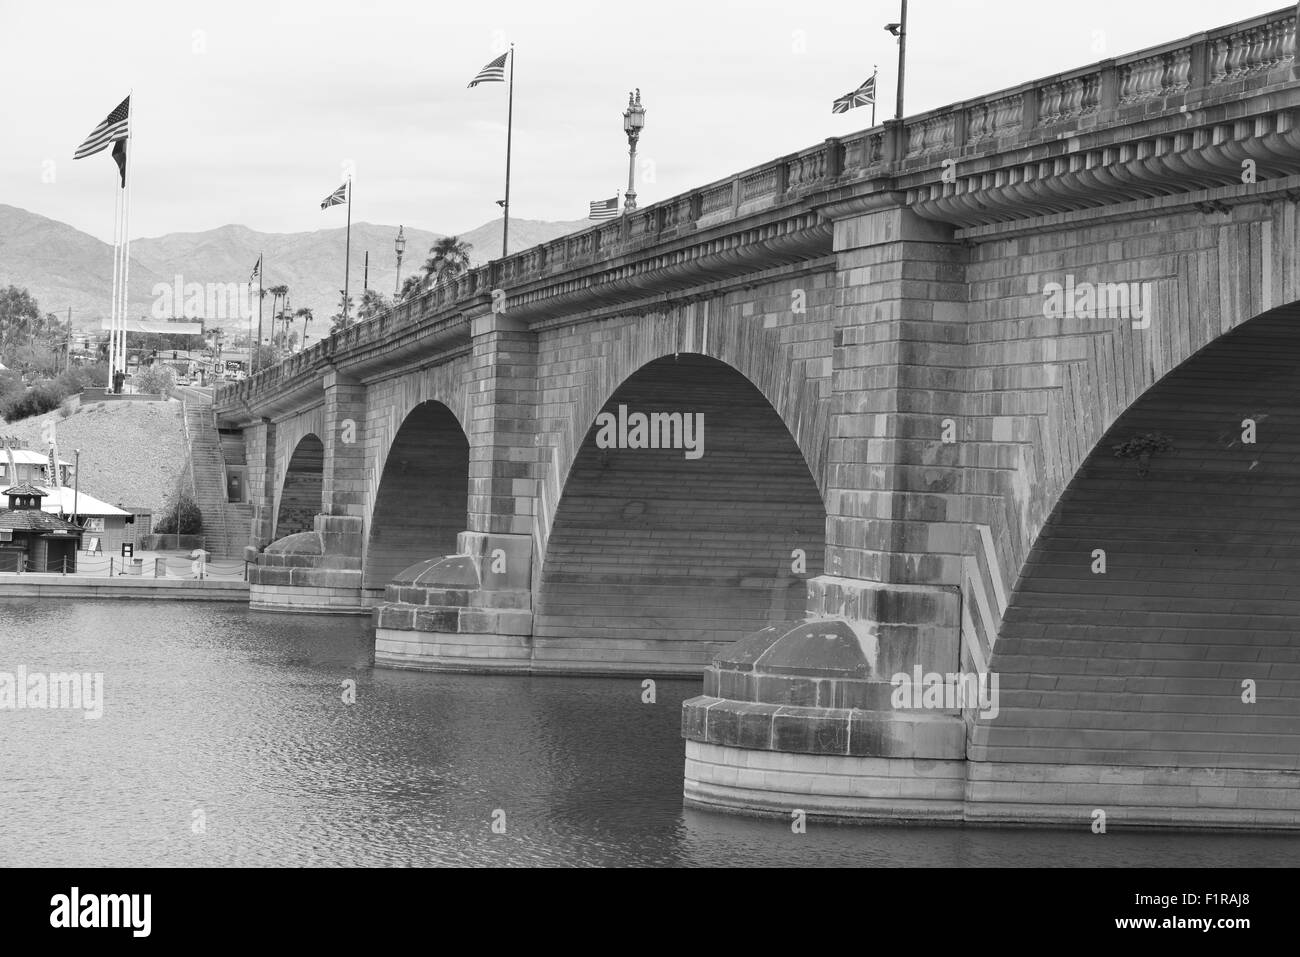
<point x="1008" y="389"/>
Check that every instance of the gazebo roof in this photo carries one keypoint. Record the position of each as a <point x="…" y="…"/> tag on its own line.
<point x="26" y="489"/>
<point x="32" y="520"/>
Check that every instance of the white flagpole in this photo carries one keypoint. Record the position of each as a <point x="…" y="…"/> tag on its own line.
<point x="126" y="236"/>
<point x="112" y="307"/>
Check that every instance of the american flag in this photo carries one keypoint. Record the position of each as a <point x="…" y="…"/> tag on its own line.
<point x="114" y="127"/>
<point x="257" y="268"/>
<point x="862" y="96"/>
<point x="604" y="208"/>
<point x="336" y="198"/>
<point x="494" y="72"/>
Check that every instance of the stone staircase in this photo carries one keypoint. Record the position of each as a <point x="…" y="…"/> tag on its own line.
<point x="225" y="525"/>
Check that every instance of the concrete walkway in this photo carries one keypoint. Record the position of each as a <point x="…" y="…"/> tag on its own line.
<point x="172" y="565"/>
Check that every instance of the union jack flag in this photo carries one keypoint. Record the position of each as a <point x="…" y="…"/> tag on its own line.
<point x="862" y="96"/>
<point x="336" y="198"/>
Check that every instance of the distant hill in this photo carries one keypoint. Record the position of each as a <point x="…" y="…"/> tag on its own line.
<point x="62" y="266"/>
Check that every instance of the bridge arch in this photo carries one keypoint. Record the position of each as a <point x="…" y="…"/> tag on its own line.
<point x="1144" y="661"/>
<point x="421" y="501"/>
<point x="661" y="559"/>
<point x="299" y="500"/>
<point x="715" y="330"/>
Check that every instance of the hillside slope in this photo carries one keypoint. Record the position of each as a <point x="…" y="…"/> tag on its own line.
<point x="131" y="452"/>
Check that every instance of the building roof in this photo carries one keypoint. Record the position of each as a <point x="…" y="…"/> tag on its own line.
<point x="62" y="497"/>
<point x="31" y="520"/>
<point x="25" y="489"/>
<point x="24" y="457"/>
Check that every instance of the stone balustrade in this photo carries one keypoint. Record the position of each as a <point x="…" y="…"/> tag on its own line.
<point x="1163" y="77"/>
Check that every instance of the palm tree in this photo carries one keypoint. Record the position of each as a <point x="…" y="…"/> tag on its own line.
<point x="276" y="292"/>
<point x="411" y="286"/>
<point x="372" y="304"/>
<point x="305" y="315"/>
<point x="448" y="258"/>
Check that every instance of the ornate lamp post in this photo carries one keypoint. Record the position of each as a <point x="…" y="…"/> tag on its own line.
<point x="633" y="123"/>
<point x="399" y="246"/>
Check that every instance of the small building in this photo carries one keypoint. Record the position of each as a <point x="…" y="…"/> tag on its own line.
<point x="107" y="525"/>
<point x="33" y="540"/>
<point x="31" y="467"/>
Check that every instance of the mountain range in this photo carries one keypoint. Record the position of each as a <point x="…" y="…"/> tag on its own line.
<point x="63" y="267"/>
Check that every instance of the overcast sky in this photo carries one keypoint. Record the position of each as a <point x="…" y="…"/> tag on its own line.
<point x="246" y="112"/>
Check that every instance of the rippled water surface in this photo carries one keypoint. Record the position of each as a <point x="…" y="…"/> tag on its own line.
<point x="238" y="714"/>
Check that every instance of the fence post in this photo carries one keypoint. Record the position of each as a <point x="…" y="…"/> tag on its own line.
<point x="110" y="566"/>
<point x="65" y="564"/>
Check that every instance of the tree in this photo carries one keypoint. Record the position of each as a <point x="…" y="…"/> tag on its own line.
<point x="344" y="318"/>
<point x="372" y="304"/>
<point x="412" y="286"/>
<point x="19" y="314"/>
<point x="181" y="515"/>
<point x="448" y="258"/>
<point x="276" y="293"/>
<point x="23" y="327"/>
<point x="305" y="315"/>
<point x="264" y="356"/>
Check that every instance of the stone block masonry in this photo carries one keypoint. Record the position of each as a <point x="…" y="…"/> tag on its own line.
<point x="909" y="456"/>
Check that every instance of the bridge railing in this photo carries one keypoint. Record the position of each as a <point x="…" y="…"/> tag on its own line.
<point x="1145" y="81"/>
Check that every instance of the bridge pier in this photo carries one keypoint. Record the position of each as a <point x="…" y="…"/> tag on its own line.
<point x="320" y="570"/>
<point x="802" y="716"/>
<point x="473" y="611"/>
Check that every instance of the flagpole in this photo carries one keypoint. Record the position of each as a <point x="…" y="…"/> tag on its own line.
<point x="126" y="235"/>
<point x="347" y="254"/>
<point x="510" y="118"/>
<point x="875" y="94"/>
<point x="117" y="262"/>
<point x="126" y="241"/>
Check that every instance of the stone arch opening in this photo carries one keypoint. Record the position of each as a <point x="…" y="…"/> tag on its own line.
<point x="1141" y="662"/>
<point x="300" y="493"/>
<point x="423" y="498"/>
<point x="656" y="560"/>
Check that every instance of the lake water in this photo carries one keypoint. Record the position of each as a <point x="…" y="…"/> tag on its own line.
<point x="232" y="719"/>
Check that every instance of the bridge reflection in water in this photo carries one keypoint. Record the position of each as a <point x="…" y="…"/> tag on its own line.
<point x="239" y="715"/>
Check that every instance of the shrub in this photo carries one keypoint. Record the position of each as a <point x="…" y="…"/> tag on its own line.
<point x="74" y="380"/>
<point x="154" y="379"/>
<point x="97" y="374"/>
<point x="181" y="516"/>
<point x="35" y="401"/>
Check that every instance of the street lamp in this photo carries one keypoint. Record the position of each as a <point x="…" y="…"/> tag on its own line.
<point x="399" y="246"/>
<point x="76" y="482"/>
<point x="633" y="123"/>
